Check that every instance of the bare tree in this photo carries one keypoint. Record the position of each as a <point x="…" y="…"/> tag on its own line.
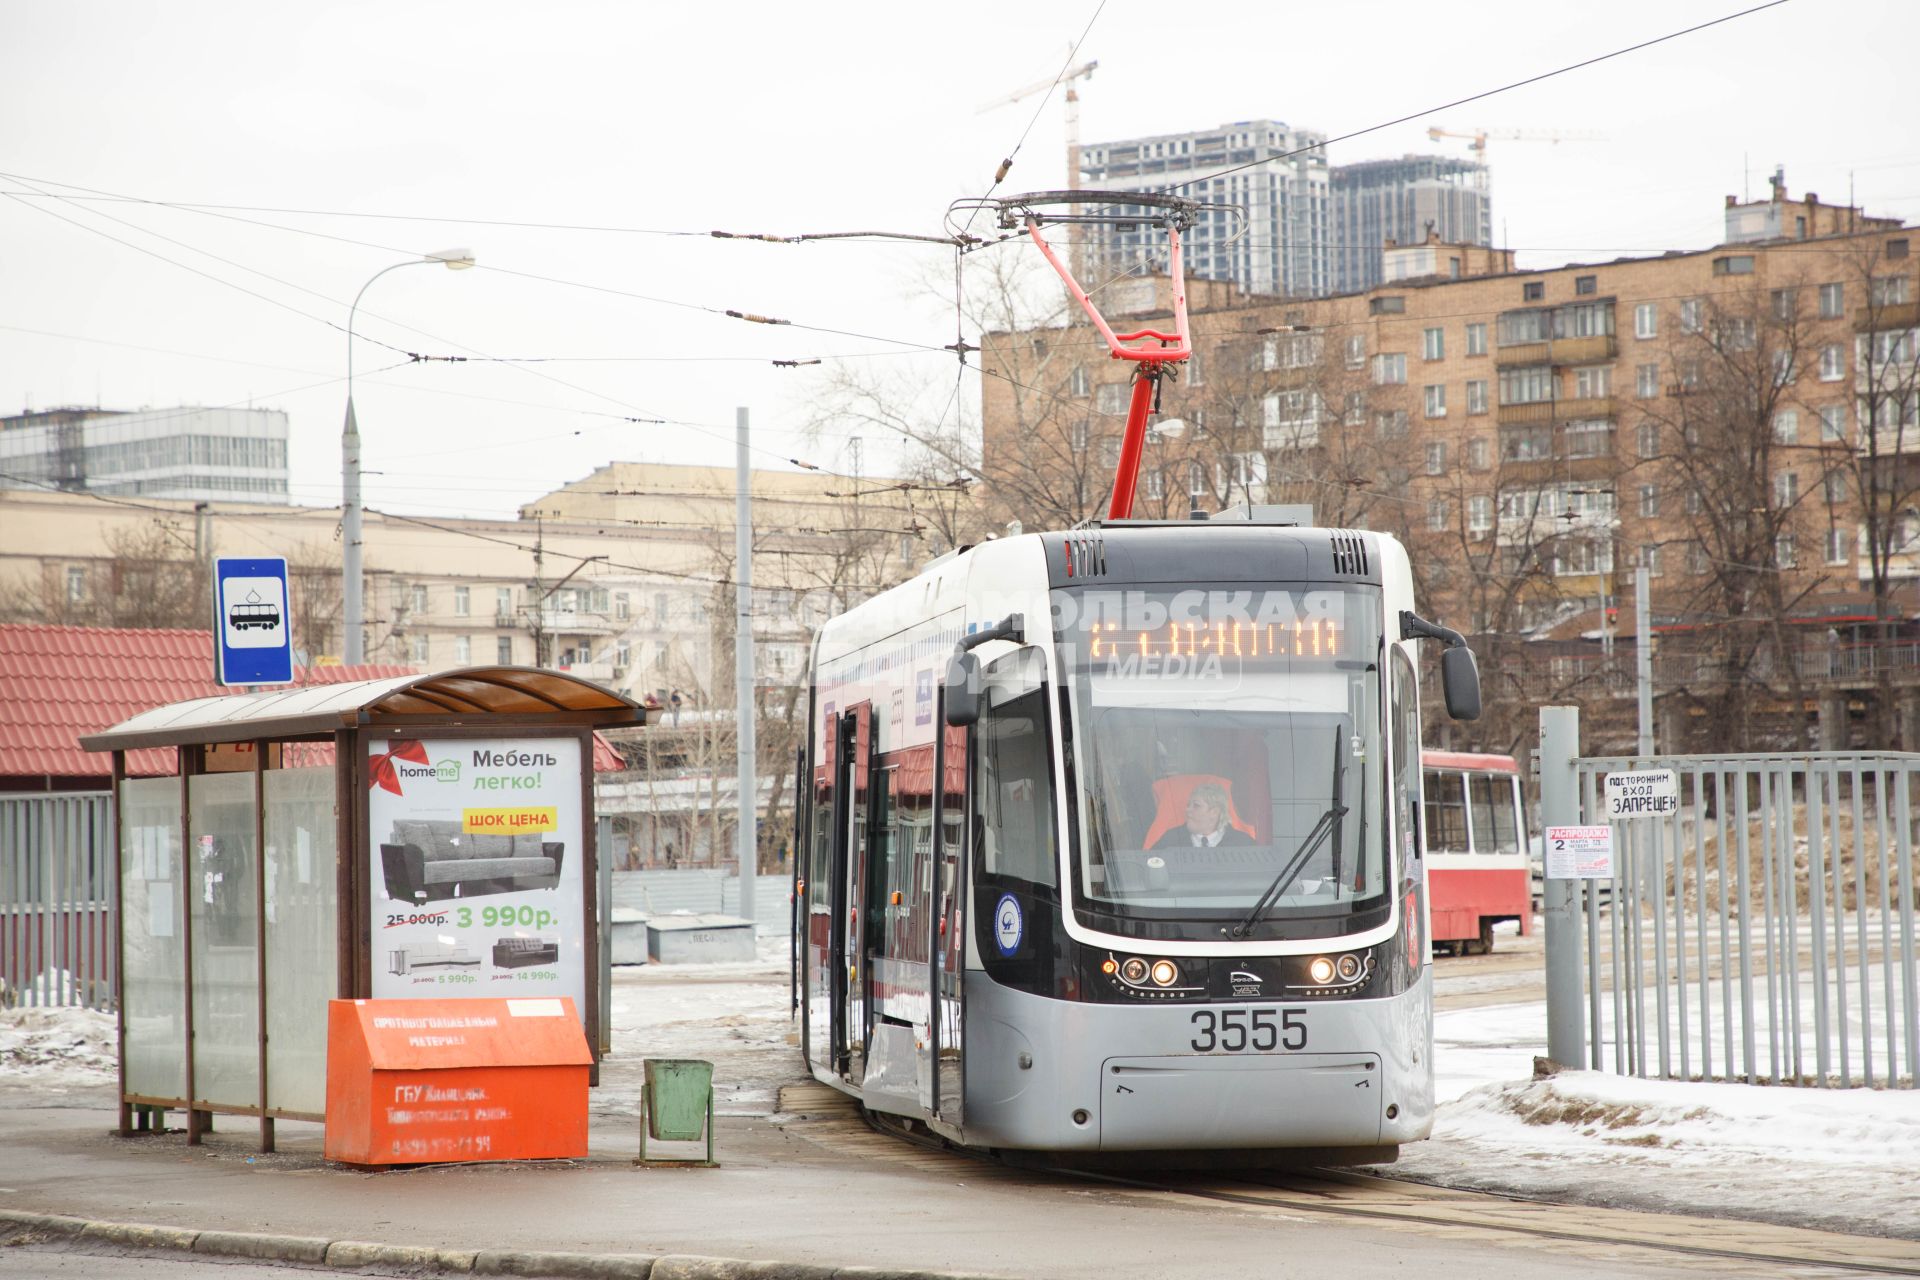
<point x="151" y="575"/>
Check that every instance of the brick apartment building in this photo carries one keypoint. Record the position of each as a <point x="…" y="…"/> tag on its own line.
<point x="1743" y="421"/>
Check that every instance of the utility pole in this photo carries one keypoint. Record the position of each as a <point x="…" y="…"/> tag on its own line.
<point x="1643" y="657"/>
<point x="747" y="797"/>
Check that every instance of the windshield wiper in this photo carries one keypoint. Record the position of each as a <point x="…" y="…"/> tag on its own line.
<point x="1328" y="824"/>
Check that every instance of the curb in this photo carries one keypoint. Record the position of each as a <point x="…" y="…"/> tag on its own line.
<point x="18" y="1228"/>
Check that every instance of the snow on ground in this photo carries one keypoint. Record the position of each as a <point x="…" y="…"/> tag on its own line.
<point x="1836" y="1158"/>
<point x="58" y="1046"/>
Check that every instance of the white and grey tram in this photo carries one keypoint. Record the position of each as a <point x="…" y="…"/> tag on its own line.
<point x="1112" y="843"/>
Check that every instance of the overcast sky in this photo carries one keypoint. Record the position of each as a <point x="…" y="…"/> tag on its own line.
<point x="638" y="118"/>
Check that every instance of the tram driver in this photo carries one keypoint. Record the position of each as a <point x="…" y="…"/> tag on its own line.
<point x="1207" y="824"/>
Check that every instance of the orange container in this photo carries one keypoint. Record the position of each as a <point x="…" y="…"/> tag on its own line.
<point x="428" y="1081"/>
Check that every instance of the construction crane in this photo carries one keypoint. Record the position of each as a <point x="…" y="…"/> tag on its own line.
<point x="1477" y="139"/>
<point x="1082" y="72"/>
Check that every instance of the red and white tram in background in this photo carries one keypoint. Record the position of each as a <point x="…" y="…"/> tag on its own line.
<point x="1478" y="871"/>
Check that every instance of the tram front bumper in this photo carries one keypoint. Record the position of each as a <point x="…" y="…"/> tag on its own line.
<point x="1265" y="1100"/>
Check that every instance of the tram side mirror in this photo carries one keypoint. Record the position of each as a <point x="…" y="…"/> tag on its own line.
<point x="962" y="694"/>
<point x="1460" y="682"/>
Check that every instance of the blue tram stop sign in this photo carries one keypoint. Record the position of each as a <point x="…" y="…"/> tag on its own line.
<point x="252" y="632"/>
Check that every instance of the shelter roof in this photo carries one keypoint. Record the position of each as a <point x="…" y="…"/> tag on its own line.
<point x="470" y="695"/>
<point x="60" y="683"/>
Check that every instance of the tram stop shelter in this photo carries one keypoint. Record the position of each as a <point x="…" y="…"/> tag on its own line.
<point x="410" y="836"/>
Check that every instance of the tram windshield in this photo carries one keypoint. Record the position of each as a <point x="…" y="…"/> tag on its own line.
<point x="1227" y="755"/>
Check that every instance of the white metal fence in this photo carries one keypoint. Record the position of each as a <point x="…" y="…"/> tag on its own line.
<point x="1764" y="929"/>
<point x="702" y="889"/>
<point x="56" y="899"/>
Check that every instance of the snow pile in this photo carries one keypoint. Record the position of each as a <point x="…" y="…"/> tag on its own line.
<point x="71" y="1045"/>
<point x="1841" y="1159"/>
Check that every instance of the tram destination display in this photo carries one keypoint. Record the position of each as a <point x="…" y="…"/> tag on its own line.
<point x="1204" y="631"/>
<point x="476" y="867"/>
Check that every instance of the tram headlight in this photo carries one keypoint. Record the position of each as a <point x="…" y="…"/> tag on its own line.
<point x="1134" y="970"/>
<point x="1348" y="967"/>
<point x="1165" y="973"/>
<point x="1320" y="969"/>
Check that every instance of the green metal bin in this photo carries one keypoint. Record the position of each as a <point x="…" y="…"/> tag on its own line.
<point x="676" y="1103"/>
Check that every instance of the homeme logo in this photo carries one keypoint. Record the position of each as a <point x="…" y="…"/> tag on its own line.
<point x="446" y="771"/>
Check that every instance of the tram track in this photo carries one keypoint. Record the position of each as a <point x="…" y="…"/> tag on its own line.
<point x="1739" y="1246"/>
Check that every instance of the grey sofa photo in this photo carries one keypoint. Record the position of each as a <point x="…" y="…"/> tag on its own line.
<point x="432" y="860"/>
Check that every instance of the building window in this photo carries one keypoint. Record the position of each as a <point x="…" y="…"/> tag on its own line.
<point x="1390" y="369"/>
<point x="1433" y="343"/>
<point x="1356" y="350"/>
<point x="1532" y="385"/>
<point x="661" y="606"/>
<point x="1786" y="426"/>
<point x="1646" y="320"/>
<point x="1650" y="561"/>
<point x="1785" y="303"/>
<point x="1477" y="454"/>
<point x="1836" y="487"/>
<point x="1477" y="395"/>
<point x="1649" y="501"/>
<point x="1786" y="489"/>
<point x="1156" y="484"/>
<point x="1479" y="513"/>
<point x="1391" y="424"/>
<point x="1833" y="423"/>
<point x="1079" y="385"/>
<point x="503" y="602"/>
<point x="1692" y="315"/>
<point x="1195" y="366"/>
<point x="463" y="649"/>
<point x="1833" y="362"/>
<point x="1437" y="514"/>
<point x="76" y="585"/>
<point x="1356" y="414"/>
<point x="1698" y="561"/>
<point x="1783" y="371"/>
<point x="1077" y="436"/>
<point x="1594" y="382"/>
<point x="417" y="597"/>
<point x="1533" y="290"/>
<point x="1586" y="284"/>
<point x="1436" y="401"/>
<point x="622" y="606"/>
<point x="1897" y="248"/>
<point x="1887" y="291"/>
<point x="1738" y="264"/>
<point x="503" y="650"/>
<point x="1436" y="457"/>
<point x="1783" y="555"/>
<point x="1833" y="301"/>
<point x="1647" y="440"/>
<point x="1109" y="454"/>
<point x="1389" y="306"/>
<point x="1518" y="327"/>
<point x="418" y="648"/>
<point x="1694" y="503"/>
<point x="1592" y="439"/>
<point x="1526" y="444"/>
<point x="1196" y="482"/>
<point x="1646" y="381"/>
<point x="1112" y="397"/>
<point x="623" y="656"/>
<point x="1837" y="546"/>
<point x="1476" y="339"/>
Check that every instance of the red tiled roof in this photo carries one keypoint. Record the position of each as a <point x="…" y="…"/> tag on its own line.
<point x="58" y="683"/>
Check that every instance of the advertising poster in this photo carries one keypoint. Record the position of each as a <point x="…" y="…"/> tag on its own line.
<point x="477" y="875"/>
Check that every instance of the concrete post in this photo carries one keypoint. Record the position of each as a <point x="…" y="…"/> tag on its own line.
<point x="747" y="797"/>
<point x="1560" y="807"/>
<point x="1833" y="720"/>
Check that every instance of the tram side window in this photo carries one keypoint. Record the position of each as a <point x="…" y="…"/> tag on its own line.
<point x="1013" y="783"/>
<point x="1495" y="825"/>
<point x="1446" y="812"/>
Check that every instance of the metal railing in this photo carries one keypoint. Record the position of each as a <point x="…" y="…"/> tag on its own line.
<point x="1764" y="929"/>
<point x="56" y="900"/>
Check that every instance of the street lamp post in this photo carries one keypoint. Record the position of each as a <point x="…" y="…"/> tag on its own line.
<point x="352" y="623"/>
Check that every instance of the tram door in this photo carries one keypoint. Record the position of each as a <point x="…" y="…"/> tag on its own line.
<point x="851" y="769"/>
<point x="942" y="1078"/>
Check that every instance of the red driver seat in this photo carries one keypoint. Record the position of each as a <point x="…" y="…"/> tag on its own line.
<point x="1170" y="796"/>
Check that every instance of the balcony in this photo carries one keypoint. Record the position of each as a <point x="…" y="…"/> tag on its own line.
<point x="1555" y="411"/>
<point x="1561" y="351"/>
<point x="571" y="622"/>
<point x="1898" y="315"/>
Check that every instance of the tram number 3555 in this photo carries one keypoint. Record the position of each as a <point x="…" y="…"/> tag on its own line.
<point x="1240" y="1030"/>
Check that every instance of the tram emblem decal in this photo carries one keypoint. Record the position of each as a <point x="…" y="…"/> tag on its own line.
<point x="1244" y="983"/>
<point x="1008" y="924"/>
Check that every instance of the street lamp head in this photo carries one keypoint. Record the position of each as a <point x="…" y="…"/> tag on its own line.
<point x="456" y="259"/>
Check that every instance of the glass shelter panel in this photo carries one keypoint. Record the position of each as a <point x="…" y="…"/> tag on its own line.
<point x="153" y="958"/>
<point x="302" y="925"/>
<point x="224" y="900"/>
